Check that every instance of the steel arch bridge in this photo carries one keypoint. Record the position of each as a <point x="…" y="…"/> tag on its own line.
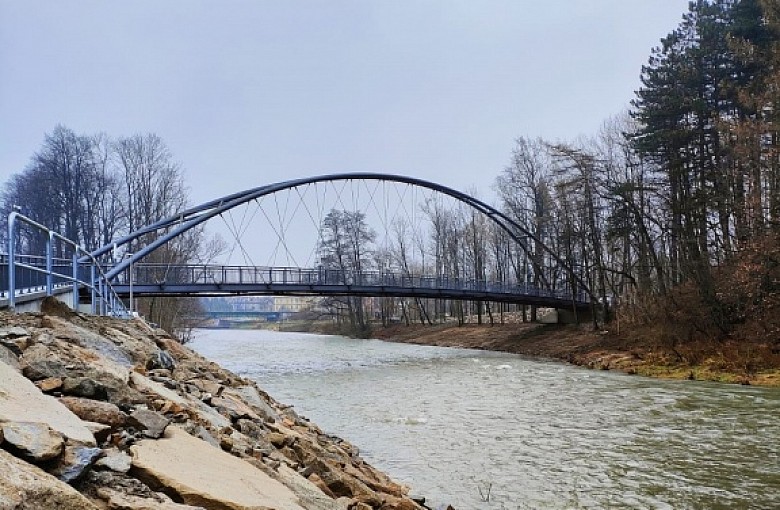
<point x="558" y="285"/>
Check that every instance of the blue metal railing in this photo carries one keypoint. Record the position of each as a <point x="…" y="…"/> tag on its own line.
<point x="22" y="274"/>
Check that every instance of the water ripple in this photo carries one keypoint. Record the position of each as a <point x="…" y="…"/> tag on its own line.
<point x="452" y="422"/>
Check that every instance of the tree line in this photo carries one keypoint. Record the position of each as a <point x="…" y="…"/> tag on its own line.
<point x="94" y="189"/>
<point x="668" y="197"/>
<point x="674" y="195"/>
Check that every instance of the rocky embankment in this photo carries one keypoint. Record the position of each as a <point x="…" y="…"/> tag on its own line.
<point x="101" y="413"/>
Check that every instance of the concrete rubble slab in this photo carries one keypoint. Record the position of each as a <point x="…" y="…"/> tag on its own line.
<point x="202" y="475"/>
<point x="21" y="400"/>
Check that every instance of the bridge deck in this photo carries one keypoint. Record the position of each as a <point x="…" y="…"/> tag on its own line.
<point x="200" y="280"/>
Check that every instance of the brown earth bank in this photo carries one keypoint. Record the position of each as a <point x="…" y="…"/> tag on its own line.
<point x="639" y="352"/>
<point x="104" y="413"/>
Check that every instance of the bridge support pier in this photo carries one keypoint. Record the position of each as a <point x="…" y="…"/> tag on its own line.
<point x="566" y="316"/>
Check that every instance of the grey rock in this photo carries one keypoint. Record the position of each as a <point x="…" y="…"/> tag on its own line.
<point x="44" y="369"/>
<point x="84" y="387"/>
<point x="74" y="462"/>
<point x="117" y="481"/>
<point x="73" y="334"/>
<point x="13" y="332"/>
<point x="151" y="423"/>
<point x="115" y="460"/>
<point x="16" y="344"/>
<point x="121" y="394"/>
<point x="159" y="372"/>
<point x="162" y="359"/>
<point x="209" y="416"/>
<point x="203" y="433"/>
<point x="105" y="348"/>
<point x="251" y="396"/>
<point x="251" y="429"/>
<point x="33" y="441"/>
<point x="8" y="357"/>
<point x="62" y="360"/>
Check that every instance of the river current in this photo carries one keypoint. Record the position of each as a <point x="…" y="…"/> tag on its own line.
<point x="485" y="430"/>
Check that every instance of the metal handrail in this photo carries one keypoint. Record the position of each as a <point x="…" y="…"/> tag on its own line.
<point x="162" y="274"/>
<point x="101" y="289"/>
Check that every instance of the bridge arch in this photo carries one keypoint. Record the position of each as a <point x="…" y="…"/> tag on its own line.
<point x="186" y="220"/>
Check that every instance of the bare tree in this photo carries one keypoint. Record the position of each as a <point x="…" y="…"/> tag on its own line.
<point x="346" y="245"/>
<point x="69" y="186"/>
<point x="525" y="190"/>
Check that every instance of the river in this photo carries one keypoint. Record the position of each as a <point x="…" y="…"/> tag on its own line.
<point x="486" y="430"/>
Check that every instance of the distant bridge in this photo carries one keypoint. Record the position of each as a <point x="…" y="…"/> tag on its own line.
<point x="243" y="314"/>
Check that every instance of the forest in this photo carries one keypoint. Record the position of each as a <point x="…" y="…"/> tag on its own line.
<point x="670" y="213"/>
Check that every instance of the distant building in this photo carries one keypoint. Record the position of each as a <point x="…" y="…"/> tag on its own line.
<point x="295" y="304"/>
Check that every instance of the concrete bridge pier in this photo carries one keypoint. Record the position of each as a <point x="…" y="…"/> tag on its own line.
<point x="566" y="316"/>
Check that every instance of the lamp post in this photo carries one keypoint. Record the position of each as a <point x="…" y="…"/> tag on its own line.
<point x="130" y="278"/>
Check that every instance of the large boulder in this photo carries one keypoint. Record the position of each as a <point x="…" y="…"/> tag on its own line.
<point x="8" y="332"/>
<point x="33" y="441"/>
<point x="26" y="487"/>
<point x="146" y="386"/>
<point x="97" y="344"/>
<point x="251" y="396"/>
<point x="22" y="401"/>
<point x="115" y="460"/>
<point x="74" y="462"/>
<point x="84" y="387"/>
<point x="84" y="372"/>
<point x="15" y="339"/>
<point x="132" y="337"/>
<point x="64" y="357"/>
<point x="150" y="423"/>
<point x="8" y="357"/>
<point x="95" y="411"/>
<point x="233" y="408"/>
<point x="199" y="474"/>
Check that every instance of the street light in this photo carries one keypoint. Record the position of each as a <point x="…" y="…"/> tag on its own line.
<point x="130" y="278"/>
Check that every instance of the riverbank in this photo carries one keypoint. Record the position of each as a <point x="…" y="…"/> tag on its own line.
<point x="641" y="354"/>
<point x="101" y="413"/>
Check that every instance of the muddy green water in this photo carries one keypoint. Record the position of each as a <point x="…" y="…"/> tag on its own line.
<point x="454" y="424"/>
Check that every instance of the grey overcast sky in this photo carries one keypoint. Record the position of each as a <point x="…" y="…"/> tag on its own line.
<point x="247" y="93"/>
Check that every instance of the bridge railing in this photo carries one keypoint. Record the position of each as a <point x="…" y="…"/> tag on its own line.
<point x="28" y="280"/>
<point x="31" y="273"/>
<point x="203" y="274"/>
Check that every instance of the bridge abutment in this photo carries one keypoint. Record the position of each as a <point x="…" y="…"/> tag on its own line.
<point x="566" y="316"/>
<point x="32" y="302"/>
